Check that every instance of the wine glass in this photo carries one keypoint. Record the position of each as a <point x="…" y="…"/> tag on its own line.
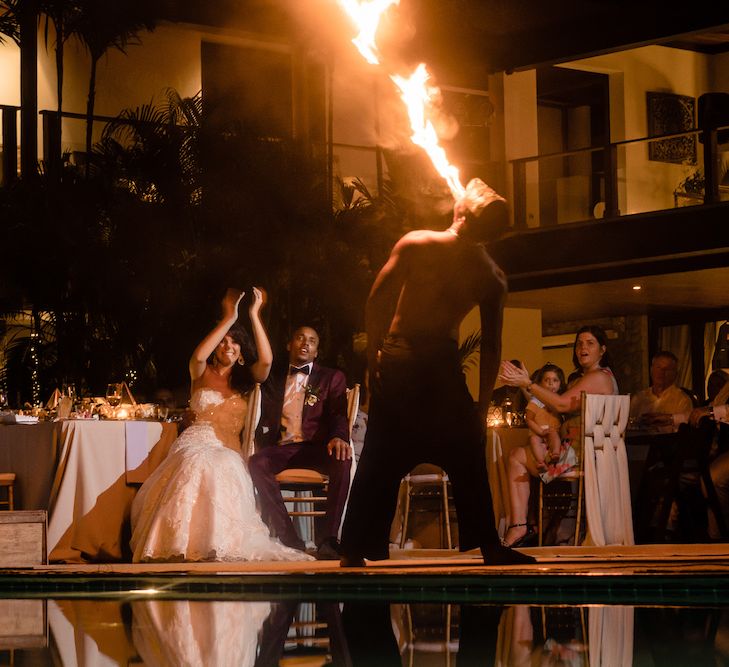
<point x="114" y="394"/>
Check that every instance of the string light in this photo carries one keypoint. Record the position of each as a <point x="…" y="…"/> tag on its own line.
<point x="130" y="377"/>
<point x="35" y="388"/>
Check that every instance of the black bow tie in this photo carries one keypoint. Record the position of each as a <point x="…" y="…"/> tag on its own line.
<point x="304" y="369"/>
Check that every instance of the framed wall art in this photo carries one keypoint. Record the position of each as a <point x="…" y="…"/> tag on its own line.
<point x="669" y="113"/>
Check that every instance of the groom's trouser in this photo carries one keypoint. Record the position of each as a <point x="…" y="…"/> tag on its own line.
<point x="265" y="464"/>
<point x="420" y="412"/>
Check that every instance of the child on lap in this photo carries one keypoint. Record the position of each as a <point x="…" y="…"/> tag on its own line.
<point x="552" y="456"/>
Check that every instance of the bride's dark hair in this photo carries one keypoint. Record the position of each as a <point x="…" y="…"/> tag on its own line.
<point x="241" y="379"/>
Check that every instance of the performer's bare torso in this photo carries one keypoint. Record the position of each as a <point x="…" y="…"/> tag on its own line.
<point x="445" y="277"/>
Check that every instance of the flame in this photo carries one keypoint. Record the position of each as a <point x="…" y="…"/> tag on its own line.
<point x="366" y="15"/>
<point x="418" y="97"/>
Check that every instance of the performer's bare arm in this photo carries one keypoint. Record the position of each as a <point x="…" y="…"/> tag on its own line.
<point x="382" y="300"/>
<point x="491" y="309"/>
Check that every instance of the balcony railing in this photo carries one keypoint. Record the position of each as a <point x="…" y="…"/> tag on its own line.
<point x="624" y="177"/>
<point x="579" y="185"/>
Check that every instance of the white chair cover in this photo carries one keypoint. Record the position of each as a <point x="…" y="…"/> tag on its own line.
<point x="610" y="632"/>
<point x="607" y="487"/>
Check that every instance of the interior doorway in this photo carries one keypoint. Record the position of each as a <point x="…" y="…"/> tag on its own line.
<point x="573" y="112"/>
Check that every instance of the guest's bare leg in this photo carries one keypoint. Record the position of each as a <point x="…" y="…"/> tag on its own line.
<point x="520" y="467"/>
<point x="522" y="635"/>
<point x="555" y="443"/>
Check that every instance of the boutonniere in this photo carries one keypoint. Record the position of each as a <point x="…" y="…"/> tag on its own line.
<point x="311" y="396"/>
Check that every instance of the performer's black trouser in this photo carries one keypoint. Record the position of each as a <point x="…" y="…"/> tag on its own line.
<point x="420" y="412"/>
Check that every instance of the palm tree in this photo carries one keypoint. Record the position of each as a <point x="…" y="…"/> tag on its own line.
<point x="102" y="25"/>
<point x="157" y="148"/>
<point x="63" y="14"/>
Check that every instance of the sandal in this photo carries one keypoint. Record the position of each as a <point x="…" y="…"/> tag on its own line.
<point x="508" y="528"/>
<point x="525" y="540"/>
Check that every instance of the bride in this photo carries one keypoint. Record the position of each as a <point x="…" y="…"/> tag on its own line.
<point x="199" y="503"/>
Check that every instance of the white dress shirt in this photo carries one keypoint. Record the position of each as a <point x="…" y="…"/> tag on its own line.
<point x="673" y="401"/>
<point x="293" y="406"/>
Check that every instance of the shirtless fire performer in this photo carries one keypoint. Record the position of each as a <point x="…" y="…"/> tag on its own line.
<point x="420" y="410"/>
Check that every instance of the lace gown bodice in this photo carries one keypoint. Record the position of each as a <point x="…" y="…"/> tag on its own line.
<point x="225" y="415"/>
<point x="199" y="503"/>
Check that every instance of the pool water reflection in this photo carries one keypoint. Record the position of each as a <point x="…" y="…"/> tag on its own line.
<point x="141" y="631"/>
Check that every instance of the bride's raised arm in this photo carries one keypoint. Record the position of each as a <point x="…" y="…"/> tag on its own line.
<point x="262" y="366"/>
<point x="207" y="345"/>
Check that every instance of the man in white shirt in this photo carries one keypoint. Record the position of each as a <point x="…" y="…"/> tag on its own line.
<point x="663" y="405"/>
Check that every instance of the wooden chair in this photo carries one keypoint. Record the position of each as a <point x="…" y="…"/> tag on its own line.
<point x="308" y="488"/>
<point x="426" y="480"/>
<point x="7" y="482"/>
<point x="427" y="633"/>
<point x="562" y="497"/>
<point x="690" y="454"/>
<point x="252" y="417"/>
<point x="603" y="488"/>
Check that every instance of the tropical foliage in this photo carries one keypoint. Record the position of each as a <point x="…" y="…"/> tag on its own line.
<point x="122" y="259"/>
<point x="126" y="267"/>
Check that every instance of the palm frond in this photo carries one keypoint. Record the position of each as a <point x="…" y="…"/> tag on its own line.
<point x="469" y="350"/>
<point x="9" y="26"/>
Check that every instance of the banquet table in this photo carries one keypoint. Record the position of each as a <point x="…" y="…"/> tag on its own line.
<point x="655" y="461"/>
<point x="95" y="481"/>
<point x="31" y="452"/>
<point x="499" y="442"/>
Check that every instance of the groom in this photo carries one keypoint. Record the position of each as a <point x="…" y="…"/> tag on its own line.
<point x="303" y="425"/>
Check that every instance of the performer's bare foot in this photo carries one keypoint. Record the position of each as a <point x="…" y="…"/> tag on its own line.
<point x="501" y="555"/>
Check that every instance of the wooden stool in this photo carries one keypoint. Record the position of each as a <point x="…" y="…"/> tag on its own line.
<point x="7" y="481"/>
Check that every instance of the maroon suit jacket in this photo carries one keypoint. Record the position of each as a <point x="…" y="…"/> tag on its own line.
<point x="323" y="418"/>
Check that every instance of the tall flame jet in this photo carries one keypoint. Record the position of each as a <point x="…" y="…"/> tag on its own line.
<point x="418" y="97"/>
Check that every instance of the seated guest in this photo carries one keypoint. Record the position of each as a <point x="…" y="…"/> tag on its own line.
<point x="593" y="376"/>
<point x="718" y="411"/>
<point x="663" y="405"/>
<point x="303" y="425"/>
<point x="545" y="443"/>
<point x="545" y="454"/>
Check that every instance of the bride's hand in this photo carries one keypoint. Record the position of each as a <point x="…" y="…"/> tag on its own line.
<point x="258" y="300"/>
<point x="513" y="375"/>
<point x="230" y="303"/>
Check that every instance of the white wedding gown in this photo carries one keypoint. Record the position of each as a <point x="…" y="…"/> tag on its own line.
<point x="191" y="633"/>
<point x="199" y="503"/>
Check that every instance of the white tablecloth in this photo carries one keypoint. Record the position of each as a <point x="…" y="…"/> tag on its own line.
<point x="93" y="490"/>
